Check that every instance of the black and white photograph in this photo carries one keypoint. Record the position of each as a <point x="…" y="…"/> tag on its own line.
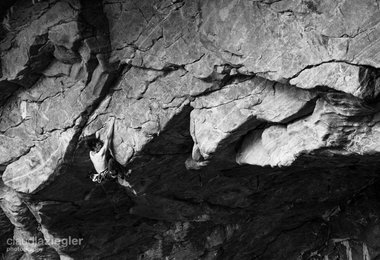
<point x="189" y="129"/>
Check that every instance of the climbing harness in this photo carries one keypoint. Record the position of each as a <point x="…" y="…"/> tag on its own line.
<point x="100" y="177"/>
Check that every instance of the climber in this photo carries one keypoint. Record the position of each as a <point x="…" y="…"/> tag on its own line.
<point x="101" y="156"/>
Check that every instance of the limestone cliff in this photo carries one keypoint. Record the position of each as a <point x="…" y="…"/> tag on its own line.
<point x="250" y="129"/>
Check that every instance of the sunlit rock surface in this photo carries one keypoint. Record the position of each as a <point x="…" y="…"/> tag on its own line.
<point x="246" y="129"/>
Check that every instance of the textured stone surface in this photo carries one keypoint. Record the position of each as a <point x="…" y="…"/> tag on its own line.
<point x="359" y="81"/>
<point x="26" y="231"/>
<point x="332" y="128"/>
<point x="281" y="38"/>
<point x="247" y="129"/>
<point x="27" y="49"/>
<point x="221" y="118"/>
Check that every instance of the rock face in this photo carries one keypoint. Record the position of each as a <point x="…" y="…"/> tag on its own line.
<point x="245" y="129"/>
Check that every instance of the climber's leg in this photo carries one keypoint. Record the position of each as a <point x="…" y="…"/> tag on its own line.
<point x="119" y="169"/>
<point x="112" y="168"/>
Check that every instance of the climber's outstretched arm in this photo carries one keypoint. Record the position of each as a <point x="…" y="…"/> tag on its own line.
<point x="107" y="142"/>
